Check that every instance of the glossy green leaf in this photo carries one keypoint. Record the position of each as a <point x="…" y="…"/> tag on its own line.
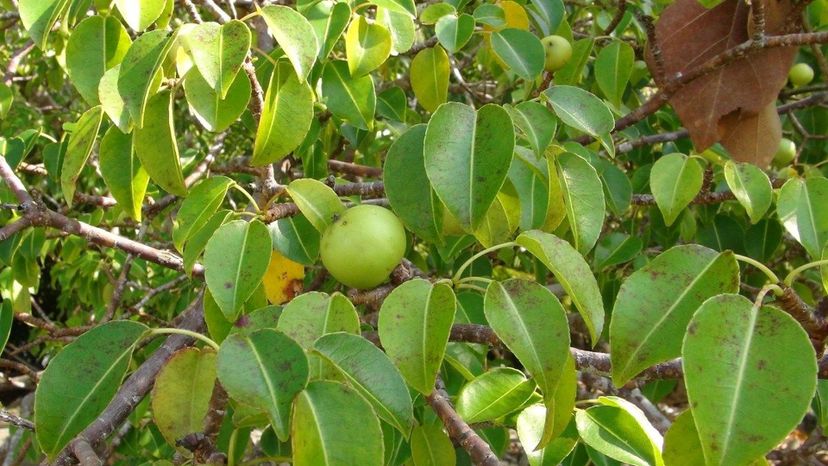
<point x="738" y="380"/>
<point x="218" y="52"/>
<point x="616" y="248"/>
<point x="77" y="152"/>
<point x="675" y="180"/>
<point x="111" y="100"/>
<point x="408" y="188"/>
<point x="97" y="44"/>
<point x="286" y="116"/>
<point x="265" y="370"/>
<point x="318" y="202"/>
<point x="434" y="11"/>
<point x="430" y="446"/>
<point x="530" y="425"/>
<point x="454" y="31"/>
<point x="235" y="260"/>
<point x="536" y="124"/>
<point x="618" y="429"/>
<point x="198" y="239"/>
<point x="548" y="14"/>
<point x="401" y="26"/>
<point x="334" y="426"/>
<point x="203" y="201"/>
<point x="493" y="394"/>
<point x="751" y="187"/>
<point x="682" y="446"/>
<point x="372" y="374"/>
<point x="613" y="67"/>
<point x="182" y="391"/>
<point x="800" y="208"/>
<point x="351" y="99"/>
<point x="430" y="77"/>
<point x="572" y="272"/>
<point x="139" y="74"/>
<point x="140" y="14"/>
<point x="39" y="16"/>
<point x="213" y="112"/>
<point x="6" y="321"/>
<point x="530" y="183"/>
<point x="521" y="50"/>
<point x="467" y="157"/>
<point x="6" y="100"/>
<point x="333" y="22"/>
<point x="312" y="315"/>
<point x="367" y="46"/>
<point x="583" y="196"/>
<point x="296" y="238"/>
<point x="81" y="380"/>
<point x="295" y="35"/>
<point x="122" y="171"/>
<point x="400" y="6"/>
<point x="156" y="146"/>
<point x="414" y="325"/>
<point x="581" y="110"/>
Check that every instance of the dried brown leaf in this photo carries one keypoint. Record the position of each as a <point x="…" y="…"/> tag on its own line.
<point x="752" y="138"/>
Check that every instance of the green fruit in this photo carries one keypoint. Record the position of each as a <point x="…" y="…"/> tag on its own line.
<point x="801" y="74"/>
<point x="363" y="246"/>
<point x="785" y="153"/>
<point x="558" y="52"/>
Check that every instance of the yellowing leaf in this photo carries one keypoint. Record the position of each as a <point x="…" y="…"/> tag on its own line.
<point x="516" y="16"/>
<point x="283" y="279"/>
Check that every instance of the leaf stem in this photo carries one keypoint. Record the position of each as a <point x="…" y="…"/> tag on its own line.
<point x="238" y="187"/>
<point x="768" y="272"/>
<point x="189" y="333"/>
<point x="777" y="290"/>
<point x="789" y="279"/>
<point x="466" y="286"/>
<point x="474" y="279"/>
<point x="456" y="277"/>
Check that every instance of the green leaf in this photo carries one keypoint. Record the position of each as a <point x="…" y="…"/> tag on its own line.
<point x="548" y="14"/>
<point x="573" y="71"/>
<point x="408" y="188"/>
<point x="616" y="248"/>
<point x="434" y="11"/>
<point x="140" y="14"/>
<point x="800" y="208"/>
<point x="372" y="374"/>
<point x="111" y="100"/>
<point x="367" y="46"/>
<point x="318" y="202"/>
<point x="156" y="146"/>
<point x="312" y="315"/>
<point x="265" y="370"/>
<point x="467" y="158"/>
<point x="618" y="429"/>
<point x="613" y="68"/>
<point x="401" y="26"/>
<point x="531" y="185"/>
<point x="414" y="325"/>
<point x="235" y="260"/>
<point x="6" y="100"/>
<point x="286" y="116"/>
<point x="182" y="391"/>
<point x="39" y="17"/>
<point x="430" y="446"/>
<point x="675" y="180"/>
<point x="198" y="239"/>
<point x="122" y="171"/>
<point x="334" y="426"/>
<point x="351" y="99"/>
<point x="80" y="146"/>
<point x="6" y="321"/>
<point x="583" y="196"/>
<point x="751" y="187"/>
<point x="454" y="31"/>
<point x="493" y="394"/>
<point x="429" y="77"/>
<point x="682" y="446"/>
<point x="572" y="272"/>
<point x="536" y="123"/>
<point x="734" y="371"/>
<point x="295" y="35"/>
<point x="673" y="285"/>
<point x="400" y="6"/>
<point x="617" y="187"/>
<point x="490" y="15"/>
<point x="521" y="50"/>
<point x="96" y="44"/>
<point x="213" y="112"/>
<point x="81" y="380"/>
<point x="140" y="71"/>
<point x="530" y="425"/>
<point x="329" y="22"/>
<point x="296" y="238"/>
<point x="581" y="110"/>
<point x="218" y="52"/>
<point x="203" y="201"/>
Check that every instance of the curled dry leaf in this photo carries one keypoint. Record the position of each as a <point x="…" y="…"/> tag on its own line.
<point x="730" y="104"/>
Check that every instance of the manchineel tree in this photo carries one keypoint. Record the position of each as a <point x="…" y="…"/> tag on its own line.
<point x="580" y="236"/>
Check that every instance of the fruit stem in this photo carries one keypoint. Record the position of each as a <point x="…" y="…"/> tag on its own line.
<point x="456" y="278"/>
<point x="181" y="331"/>
<point x="789" y="279"/>
<point x="768" y="272"/>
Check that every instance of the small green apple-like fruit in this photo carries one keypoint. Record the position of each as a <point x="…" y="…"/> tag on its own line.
<point x="801" y="74"/>
<point x="785" y="153"/>
<point x="363" y="246"/>
<point x="558" y="52"/>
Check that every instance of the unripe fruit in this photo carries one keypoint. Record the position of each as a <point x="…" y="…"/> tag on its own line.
<point x="801" y="74"/>
<point x="558" y="52"/>
<point x="363" y="246"/>
<point x="785" y="153"/>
